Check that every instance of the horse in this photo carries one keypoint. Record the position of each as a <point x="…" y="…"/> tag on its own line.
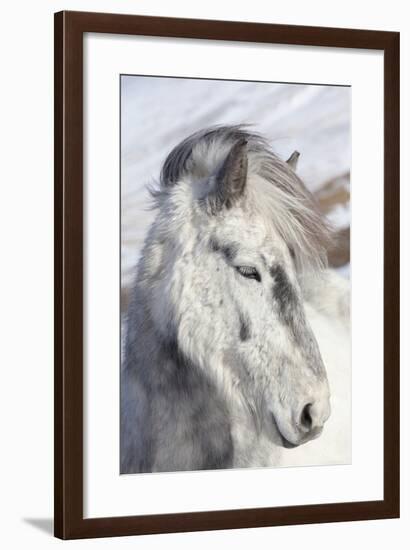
<point x="221" y="367"/>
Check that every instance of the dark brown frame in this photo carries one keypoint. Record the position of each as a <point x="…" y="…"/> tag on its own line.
<point x="68" y="64"/>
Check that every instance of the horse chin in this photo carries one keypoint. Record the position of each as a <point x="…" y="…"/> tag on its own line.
<point x="287" y="444"/>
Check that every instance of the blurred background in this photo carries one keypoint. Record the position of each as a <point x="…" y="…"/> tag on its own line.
<point x="158" y="112"/>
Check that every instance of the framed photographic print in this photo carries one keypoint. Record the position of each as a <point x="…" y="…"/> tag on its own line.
<point x="227" y="275"/>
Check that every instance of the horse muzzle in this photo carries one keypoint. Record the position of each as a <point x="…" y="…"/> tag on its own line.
<point x="305" y="424"/>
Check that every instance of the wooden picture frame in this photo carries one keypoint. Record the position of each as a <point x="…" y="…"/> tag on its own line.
<point x="69" y="30"/>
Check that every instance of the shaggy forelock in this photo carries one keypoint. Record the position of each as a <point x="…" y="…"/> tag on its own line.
<point x="273" y="188"/>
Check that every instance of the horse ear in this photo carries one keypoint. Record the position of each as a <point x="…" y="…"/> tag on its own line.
<point x="230" y="179"/>
<point x="293" y="160"/>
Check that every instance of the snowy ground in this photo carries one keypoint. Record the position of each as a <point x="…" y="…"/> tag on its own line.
<point x="157" y="113"/>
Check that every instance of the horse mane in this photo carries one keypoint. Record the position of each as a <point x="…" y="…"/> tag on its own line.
<point x="275" y="189"/>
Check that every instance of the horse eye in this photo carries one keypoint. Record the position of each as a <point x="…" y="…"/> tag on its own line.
<point x="249" y="272"/>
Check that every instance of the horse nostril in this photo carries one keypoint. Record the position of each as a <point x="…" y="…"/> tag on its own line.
<point x="306" y="417"/>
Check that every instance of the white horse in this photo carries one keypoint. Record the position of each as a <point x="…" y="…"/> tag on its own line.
<point x="221" y="366"/>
